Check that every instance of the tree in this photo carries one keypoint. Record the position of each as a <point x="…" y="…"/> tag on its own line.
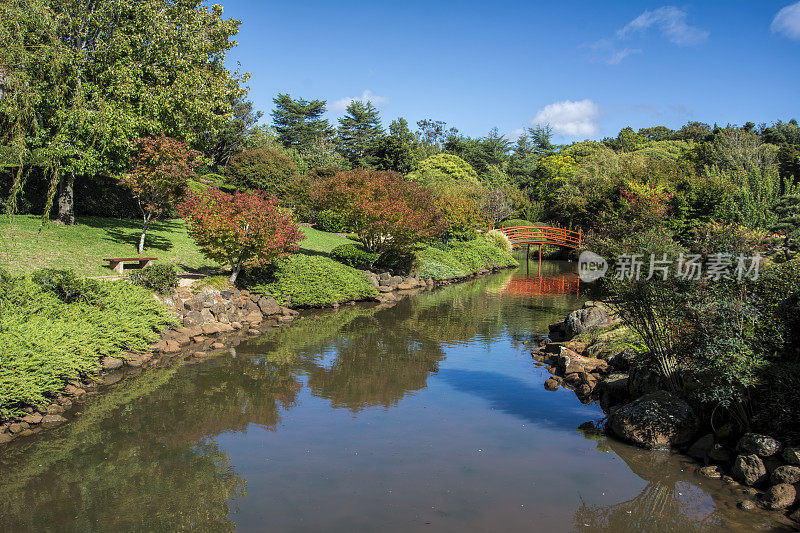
<point x="385" y="210"/>
<point x="96" y="75"/>
<point x="657" y="133"/>
<point x="263" y="169"/>
<point x="161" y="171"/>
<point x="359" y="129"/>
<point x="399" y="151"/>
<point x="322" y="153"/>
<point x="239" y="133"/>
<point x="298" y="122"/>
<point x="432" y="134"/>
<point x="444" y="170"/>
<point x="497" y="206"/>
<point x="240" y="229"/>
<point x="788" y="223"/>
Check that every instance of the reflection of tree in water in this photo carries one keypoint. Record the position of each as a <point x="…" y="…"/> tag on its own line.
<point x="669" y="502"/>
<point x="140" y="459"/>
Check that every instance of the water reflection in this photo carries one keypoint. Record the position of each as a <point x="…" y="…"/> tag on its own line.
<point x="427" y="386"/>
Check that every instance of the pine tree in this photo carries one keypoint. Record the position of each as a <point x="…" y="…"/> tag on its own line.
<point x="788" y="224"/>
<point x="359" y="130"/>
<point x="298" y="122"/>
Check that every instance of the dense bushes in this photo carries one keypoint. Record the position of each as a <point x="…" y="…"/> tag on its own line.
<point x="303" y="280"/>
<point x="65" y="285"/>
<point x="354" y="255"/>
<point x="45" y="340"/>
<point x="461" y="259"/>
<point x="516" y="222"/>
<point x="159" y="278"/>
<point x="331" y="221"/>
<point x="263" y="169"/>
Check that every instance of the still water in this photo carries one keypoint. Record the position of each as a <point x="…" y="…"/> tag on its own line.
<point x="429" y="415"/>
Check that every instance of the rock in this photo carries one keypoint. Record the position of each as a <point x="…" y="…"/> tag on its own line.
<point x="253" y="318"/>
<point x="171" y="347"/>
<point x="111" y="363"/>
<point x="795" y="515"/>
<point x="33" y="418"/>
<point x="200" y="355"/>
<point x="285" y="318"/>
<point x="779" y="496"/>
<point x="719" y="454"/>
<point x="761" y="445"/>
<point x="784" y="474"/>
<point x="384" y="289"/>
<point x="746" y="505"/>
<point x="701" y="447"/>
<point x="16" y="427"/>
<point x="792" y="455"/>
<point x="749" y="469"/>
<point x="6" y="437"/>
<point x="51" y="421"/>
<point x="551" y="384"/>
<point x="54" y="409"/>
<point x="581" y="320"/>
<point x="74" y="391"/>
<point x="657" y="420"/>
<point x="269" y="306"/>
<point x="217" y="346"/>
<point x="384" y="276"/>
<point x="713" y="472"/>
<point x="253" y="331"/>
<point x="642" y="381"/>
<point x="405" y="286"/>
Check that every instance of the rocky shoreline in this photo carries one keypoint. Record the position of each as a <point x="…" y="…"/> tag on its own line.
<point x="212" y="322"/>
<point x="760" y="468"/>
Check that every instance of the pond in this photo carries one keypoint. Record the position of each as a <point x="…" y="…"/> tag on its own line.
<point x="428" y="415"/>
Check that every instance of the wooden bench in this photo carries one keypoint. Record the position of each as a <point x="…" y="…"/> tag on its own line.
<point x="117" y="264"/>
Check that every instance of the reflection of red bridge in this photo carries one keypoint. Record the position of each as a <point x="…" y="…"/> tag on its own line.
<point x="568" y="283"/>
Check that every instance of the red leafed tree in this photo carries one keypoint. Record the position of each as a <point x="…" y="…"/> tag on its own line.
<point x="384" y="209"/>
<point x="161" y="171"/>
<point x="240" y="228"/>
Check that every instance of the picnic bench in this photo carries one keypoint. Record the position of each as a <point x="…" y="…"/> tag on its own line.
<point x="117" y="264"/>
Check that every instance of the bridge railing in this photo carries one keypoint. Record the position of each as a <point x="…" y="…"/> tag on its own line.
<point x="519" y="235"/>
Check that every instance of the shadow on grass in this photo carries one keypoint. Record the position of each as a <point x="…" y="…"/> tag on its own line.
<point x="128" y="231"/>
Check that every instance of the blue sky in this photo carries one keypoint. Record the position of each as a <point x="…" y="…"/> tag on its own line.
<point x="587" y="68"/>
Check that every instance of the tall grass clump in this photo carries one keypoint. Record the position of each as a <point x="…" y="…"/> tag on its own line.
<point x="499" y="239"/>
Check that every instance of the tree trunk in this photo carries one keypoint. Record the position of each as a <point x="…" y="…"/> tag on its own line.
<point x="234" y="273"/>
<point x="144" y="232"/>
<point x="66" y="200"/>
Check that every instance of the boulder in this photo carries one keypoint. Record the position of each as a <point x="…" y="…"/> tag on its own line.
<point x="269" y="306"/>
<point x="657" y="420"/>
<point x="779" y="496"/>
<point x="784" y="474"/>
<point x="33" y="418"/>
<point x="796" y="515"/>
<point x="405" y="286"/>
<point x="111" y="363"/>
<point x="699" y="450"/>
<point x="51" y="421"/>
<point x="792" y="455"/>
<point x="6" y="437"/>
<point x="642" y="381"/>
<point x="551" y="384"/>
<point x="749" y="469"/>
<point x="581" y="320"/>
<point x="761" y="445"/>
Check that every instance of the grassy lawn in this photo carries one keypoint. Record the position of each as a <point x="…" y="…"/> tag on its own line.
<point x="25" y="246"/>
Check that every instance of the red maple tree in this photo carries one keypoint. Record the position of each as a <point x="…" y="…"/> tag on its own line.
<point x="383" y="208"/>
<point x="162" y="167"/>
<point x="240" y="229"/>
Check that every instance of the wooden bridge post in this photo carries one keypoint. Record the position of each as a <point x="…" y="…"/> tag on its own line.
<point x="540" y="253"/>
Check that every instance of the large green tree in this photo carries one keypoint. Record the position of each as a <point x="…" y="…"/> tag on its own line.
<point x="299" y="122"/>
<point x="359" y="129"/>
<point x="399" y="151"/>
<point x="94" y="75"/>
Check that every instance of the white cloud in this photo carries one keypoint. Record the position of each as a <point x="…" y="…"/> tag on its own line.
<point x="367" y="96"/>
<point x="514" y="134"/>
<point x="787" y="21"/>
<point x="570" y="118"/>
<point x="670" y="21"/>
<point x="619" y="55"/>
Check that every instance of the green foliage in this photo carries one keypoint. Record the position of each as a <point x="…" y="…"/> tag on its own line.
<point x="359" y="129"/>
<point x="516" y="222"/>
<point x="264" y="169"/>
<point x="461" y="259"/>
<point x="331" y="221"/>
<point x="65" y="285"/>
<point x="304" y="280"/>
<point x="45" y="341"/>
<point x="779" y="409"/>
<point x="499" y="239"/>
<point x="399" y="151"/>
<point x="354" y="255"/>
<point x="161" y="278"/>
<point x="444" y="171"/>
<point x="298" y="122"/>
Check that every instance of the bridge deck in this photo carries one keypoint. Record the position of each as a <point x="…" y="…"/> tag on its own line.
<point x="522" y="235"/>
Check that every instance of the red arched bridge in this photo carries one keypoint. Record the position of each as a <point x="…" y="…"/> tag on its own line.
<point x="540" y="235"/>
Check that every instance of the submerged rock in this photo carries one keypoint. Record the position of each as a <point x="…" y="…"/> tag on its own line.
<point x="51" y="421"/>
<point x="551" y="384"/>
<point x="657" y="420"/>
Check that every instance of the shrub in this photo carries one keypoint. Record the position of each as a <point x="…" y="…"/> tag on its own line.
<point x="67" y="286"/>
<point x="303" y="280"/>
<point x="354" y="255"/>
<point x="438" y="264"/>
<point x="159" y="278"/>
<point x="516" y="222"/>
<point x="499" y="239"/>
<point x="263" y="169"/>
<point x="461" y="259"/>
<point x="240" y="229"/>
<point x="384" y="209"/>
<point x="331" y="221"/>
<point x="444" y="170"/>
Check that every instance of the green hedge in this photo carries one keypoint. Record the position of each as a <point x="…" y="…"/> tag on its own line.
<point x="309" y="280"/>
<point x="46" y="341"/>
<point x="461" y="259"/>
<point x="331" y="221"/>
<point x="516" y="222"/>
<point x="161" y="278"/>
<point x="354" y="255"/>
